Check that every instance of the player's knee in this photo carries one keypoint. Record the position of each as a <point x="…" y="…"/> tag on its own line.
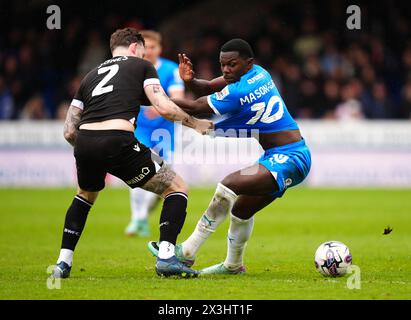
<point x="241" y="213"/>
<point x="230" y="183"/>
<point x="181" y="185"/>
<point x="177" y="185"/>
<point x="90" y="196"/>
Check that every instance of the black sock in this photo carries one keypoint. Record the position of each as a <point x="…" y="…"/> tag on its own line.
<point x="173" y="216"/>
<point x="76" y="217"/>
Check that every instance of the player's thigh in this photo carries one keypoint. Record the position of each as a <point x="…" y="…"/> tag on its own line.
<point x="91" y="169"/>
<point x="253" y="180"/>
<point x="288" y="168"/>
<point x="132" y="162"/>
<point x="246" y="206"/>
<point x="139" y="167"/>
<point x="166" y="181"/>
<point x="90" y="178"/>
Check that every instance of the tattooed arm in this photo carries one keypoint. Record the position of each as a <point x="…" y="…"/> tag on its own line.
<point x="169" y="110"/>
<point x="71" y="123"/>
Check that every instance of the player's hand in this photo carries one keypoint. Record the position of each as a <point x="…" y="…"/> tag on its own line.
<point x="185" y="68"/>
<point x="204" y="126"/>
<point x="151" y="112"/>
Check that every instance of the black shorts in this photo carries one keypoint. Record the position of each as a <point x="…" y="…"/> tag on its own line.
<point x="117" y="152"/>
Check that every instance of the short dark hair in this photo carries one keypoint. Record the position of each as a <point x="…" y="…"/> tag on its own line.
<point x="125" y="37"/>
<point x="239" y="45"/>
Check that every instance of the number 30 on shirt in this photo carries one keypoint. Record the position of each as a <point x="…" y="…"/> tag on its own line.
<point x="263" y="111"/>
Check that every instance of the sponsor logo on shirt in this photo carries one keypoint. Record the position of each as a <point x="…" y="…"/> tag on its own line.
<point x="255" y="78"/>
<point x="222" y="94"/>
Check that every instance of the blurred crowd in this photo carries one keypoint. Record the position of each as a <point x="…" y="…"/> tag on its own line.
<point x="322" y="69"/>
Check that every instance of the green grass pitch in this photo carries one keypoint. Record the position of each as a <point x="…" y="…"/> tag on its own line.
<point x="279" y="256"/>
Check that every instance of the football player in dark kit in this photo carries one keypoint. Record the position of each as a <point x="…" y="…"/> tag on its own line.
<point x="100" y="124"/>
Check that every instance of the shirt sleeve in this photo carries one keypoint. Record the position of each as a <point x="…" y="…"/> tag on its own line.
<point x="78" y="100"/>
<point x="150" y="75"/>
<point x="225" y="101"/>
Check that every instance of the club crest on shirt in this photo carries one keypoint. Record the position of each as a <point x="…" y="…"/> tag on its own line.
<point x="278" y="159"/>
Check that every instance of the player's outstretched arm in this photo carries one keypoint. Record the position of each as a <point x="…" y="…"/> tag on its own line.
<point x="194" y="107"/>
<point x="71" y="123"/>
<point x="169" y="110"/>
<point x="198" y="86"/>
